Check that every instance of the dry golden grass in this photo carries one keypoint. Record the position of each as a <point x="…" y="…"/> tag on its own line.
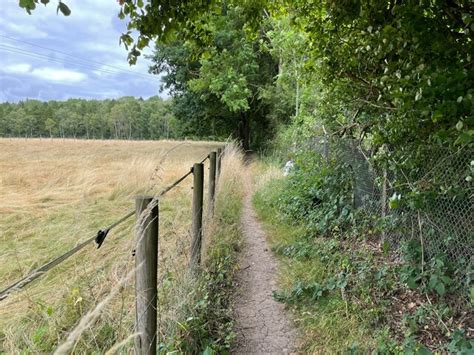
<point x="264" y="173"/>
<point x="56" y="193"/>
<point x="230" y="181"/>
<point x="179" y="289"/>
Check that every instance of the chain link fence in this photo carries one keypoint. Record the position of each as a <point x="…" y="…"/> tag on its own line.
<point x="443" y="218"/>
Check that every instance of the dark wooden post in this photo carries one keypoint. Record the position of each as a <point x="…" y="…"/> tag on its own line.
<point x="196" y="229"/>
<point x="146" y="274"/>
<point x="219" y="155"/>
<point x="212" y="181"/>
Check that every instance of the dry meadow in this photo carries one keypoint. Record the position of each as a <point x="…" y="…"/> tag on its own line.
<point x="56" y="193"/>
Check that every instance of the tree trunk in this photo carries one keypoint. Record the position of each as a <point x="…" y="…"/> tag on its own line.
<point x="244" y="130"/>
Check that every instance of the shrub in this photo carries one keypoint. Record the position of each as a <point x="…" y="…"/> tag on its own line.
<point x="318" y="193"/>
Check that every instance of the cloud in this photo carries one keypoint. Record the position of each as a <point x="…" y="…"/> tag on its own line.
<point x="94" y="66"/>
<point x="20" y="68"/>
<point x="58" y="75"/>
<point x="25" y="29"/>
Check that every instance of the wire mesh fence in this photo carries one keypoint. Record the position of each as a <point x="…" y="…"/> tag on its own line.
<point x="442" y="217"/>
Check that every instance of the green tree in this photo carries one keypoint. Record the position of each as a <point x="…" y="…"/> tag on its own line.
<point x="16" y="119"/>
<point x="401" y="71"/>
<point x="51" y="126"/>
<point x="217" y="88"/>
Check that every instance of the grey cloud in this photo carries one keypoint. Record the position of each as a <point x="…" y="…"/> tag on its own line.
<point x="91" y="32"/>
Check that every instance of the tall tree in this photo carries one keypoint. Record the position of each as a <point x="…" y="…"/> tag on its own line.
<point x="219" y="85"/>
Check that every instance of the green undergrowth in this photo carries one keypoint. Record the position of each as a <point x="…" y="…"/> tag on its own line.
<point x="310" y="281"/>
<point x="209" y="328"/>
<point x="348" y="295"/>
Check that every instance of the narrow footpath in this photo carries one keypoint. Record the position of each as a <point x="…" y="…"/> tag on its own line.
<point x="262" y="325"/>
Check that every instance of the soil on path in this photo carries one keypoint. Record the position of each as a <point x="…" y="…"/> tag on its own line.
<point x="262" y="325"/>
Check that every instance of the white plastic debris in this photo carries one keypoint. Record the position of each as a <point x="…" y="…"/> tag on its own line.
<point x="288" y="167"/>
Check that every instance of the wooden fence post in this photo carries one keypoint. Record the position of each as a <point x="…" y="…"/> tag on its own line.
<point x="212" y="181"/>
<point x="146" y="274"/>
<point x="219" y="155"/>
<point x="196" y="229"/>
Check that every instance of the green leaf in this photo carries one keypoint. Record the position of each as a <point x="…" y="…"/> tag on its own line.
<point x="464" y="138"/>
<point x="39" y="333"/>
<point x="459" y="125"/>
<point x="50" y="311"/>
<point x="423" y="350"/>
<point x="28" y="5"/>
<point x="440" y="289"/>
<point x="412" y="282"/>
<point x="446" y="280"/>
<point x="208" y="351"/>
<point x="142" y="42"/>
<point x="433" y="282"/>
<point x="394" y="201"/>
<point x="64" y="9"/>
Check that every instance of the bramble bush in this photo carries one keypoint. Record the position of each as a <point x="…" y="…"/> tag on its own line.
<point x="318" y="193"/>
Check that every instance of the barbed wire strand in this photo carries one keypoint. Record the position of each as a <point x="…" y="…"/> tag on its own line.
<point x="19" y="284"/>
<point x="48" y="266"/>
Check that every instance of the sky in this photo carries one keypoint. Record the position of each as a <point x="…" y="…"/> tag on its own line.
<point x="47" y="56"/>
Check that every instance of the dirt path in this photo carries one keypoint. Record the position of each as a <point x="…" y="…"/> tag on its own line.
<point x="262" y="325"/>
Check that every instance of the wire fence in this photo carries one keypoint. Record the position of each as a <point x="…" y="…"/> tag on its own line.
<point x="442" y="217"/>
<point x="174" y="284"/>
<point x="100" y="237"/>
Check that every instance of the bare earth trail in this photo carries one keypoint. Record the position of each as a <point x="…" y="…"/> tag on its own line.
<point x="262" y="325"/>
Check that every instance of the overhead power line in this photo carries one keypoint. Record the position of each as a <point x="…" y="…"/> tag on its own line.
<point x="74" y="56"/>
<point x="32" y="54"/>
<point x="47" y="58"/>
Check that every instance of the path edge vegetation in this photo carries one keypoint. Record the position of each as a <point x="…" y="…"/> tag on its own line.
<point x="320" y="325"/>
<point x="210" y="328"/>
<point x="345" y="293"/>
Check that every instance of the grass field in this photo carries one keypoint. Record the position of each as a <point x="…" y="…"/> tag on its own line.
<point x="56" y="193"/>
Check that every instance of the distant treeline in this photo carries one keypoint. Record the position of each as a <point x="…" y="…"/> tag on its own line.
<point x="124" y="118"/>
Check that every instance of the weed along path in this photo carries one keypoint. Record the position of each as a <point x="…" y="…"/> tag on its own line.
<point x="262" y="325"/>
